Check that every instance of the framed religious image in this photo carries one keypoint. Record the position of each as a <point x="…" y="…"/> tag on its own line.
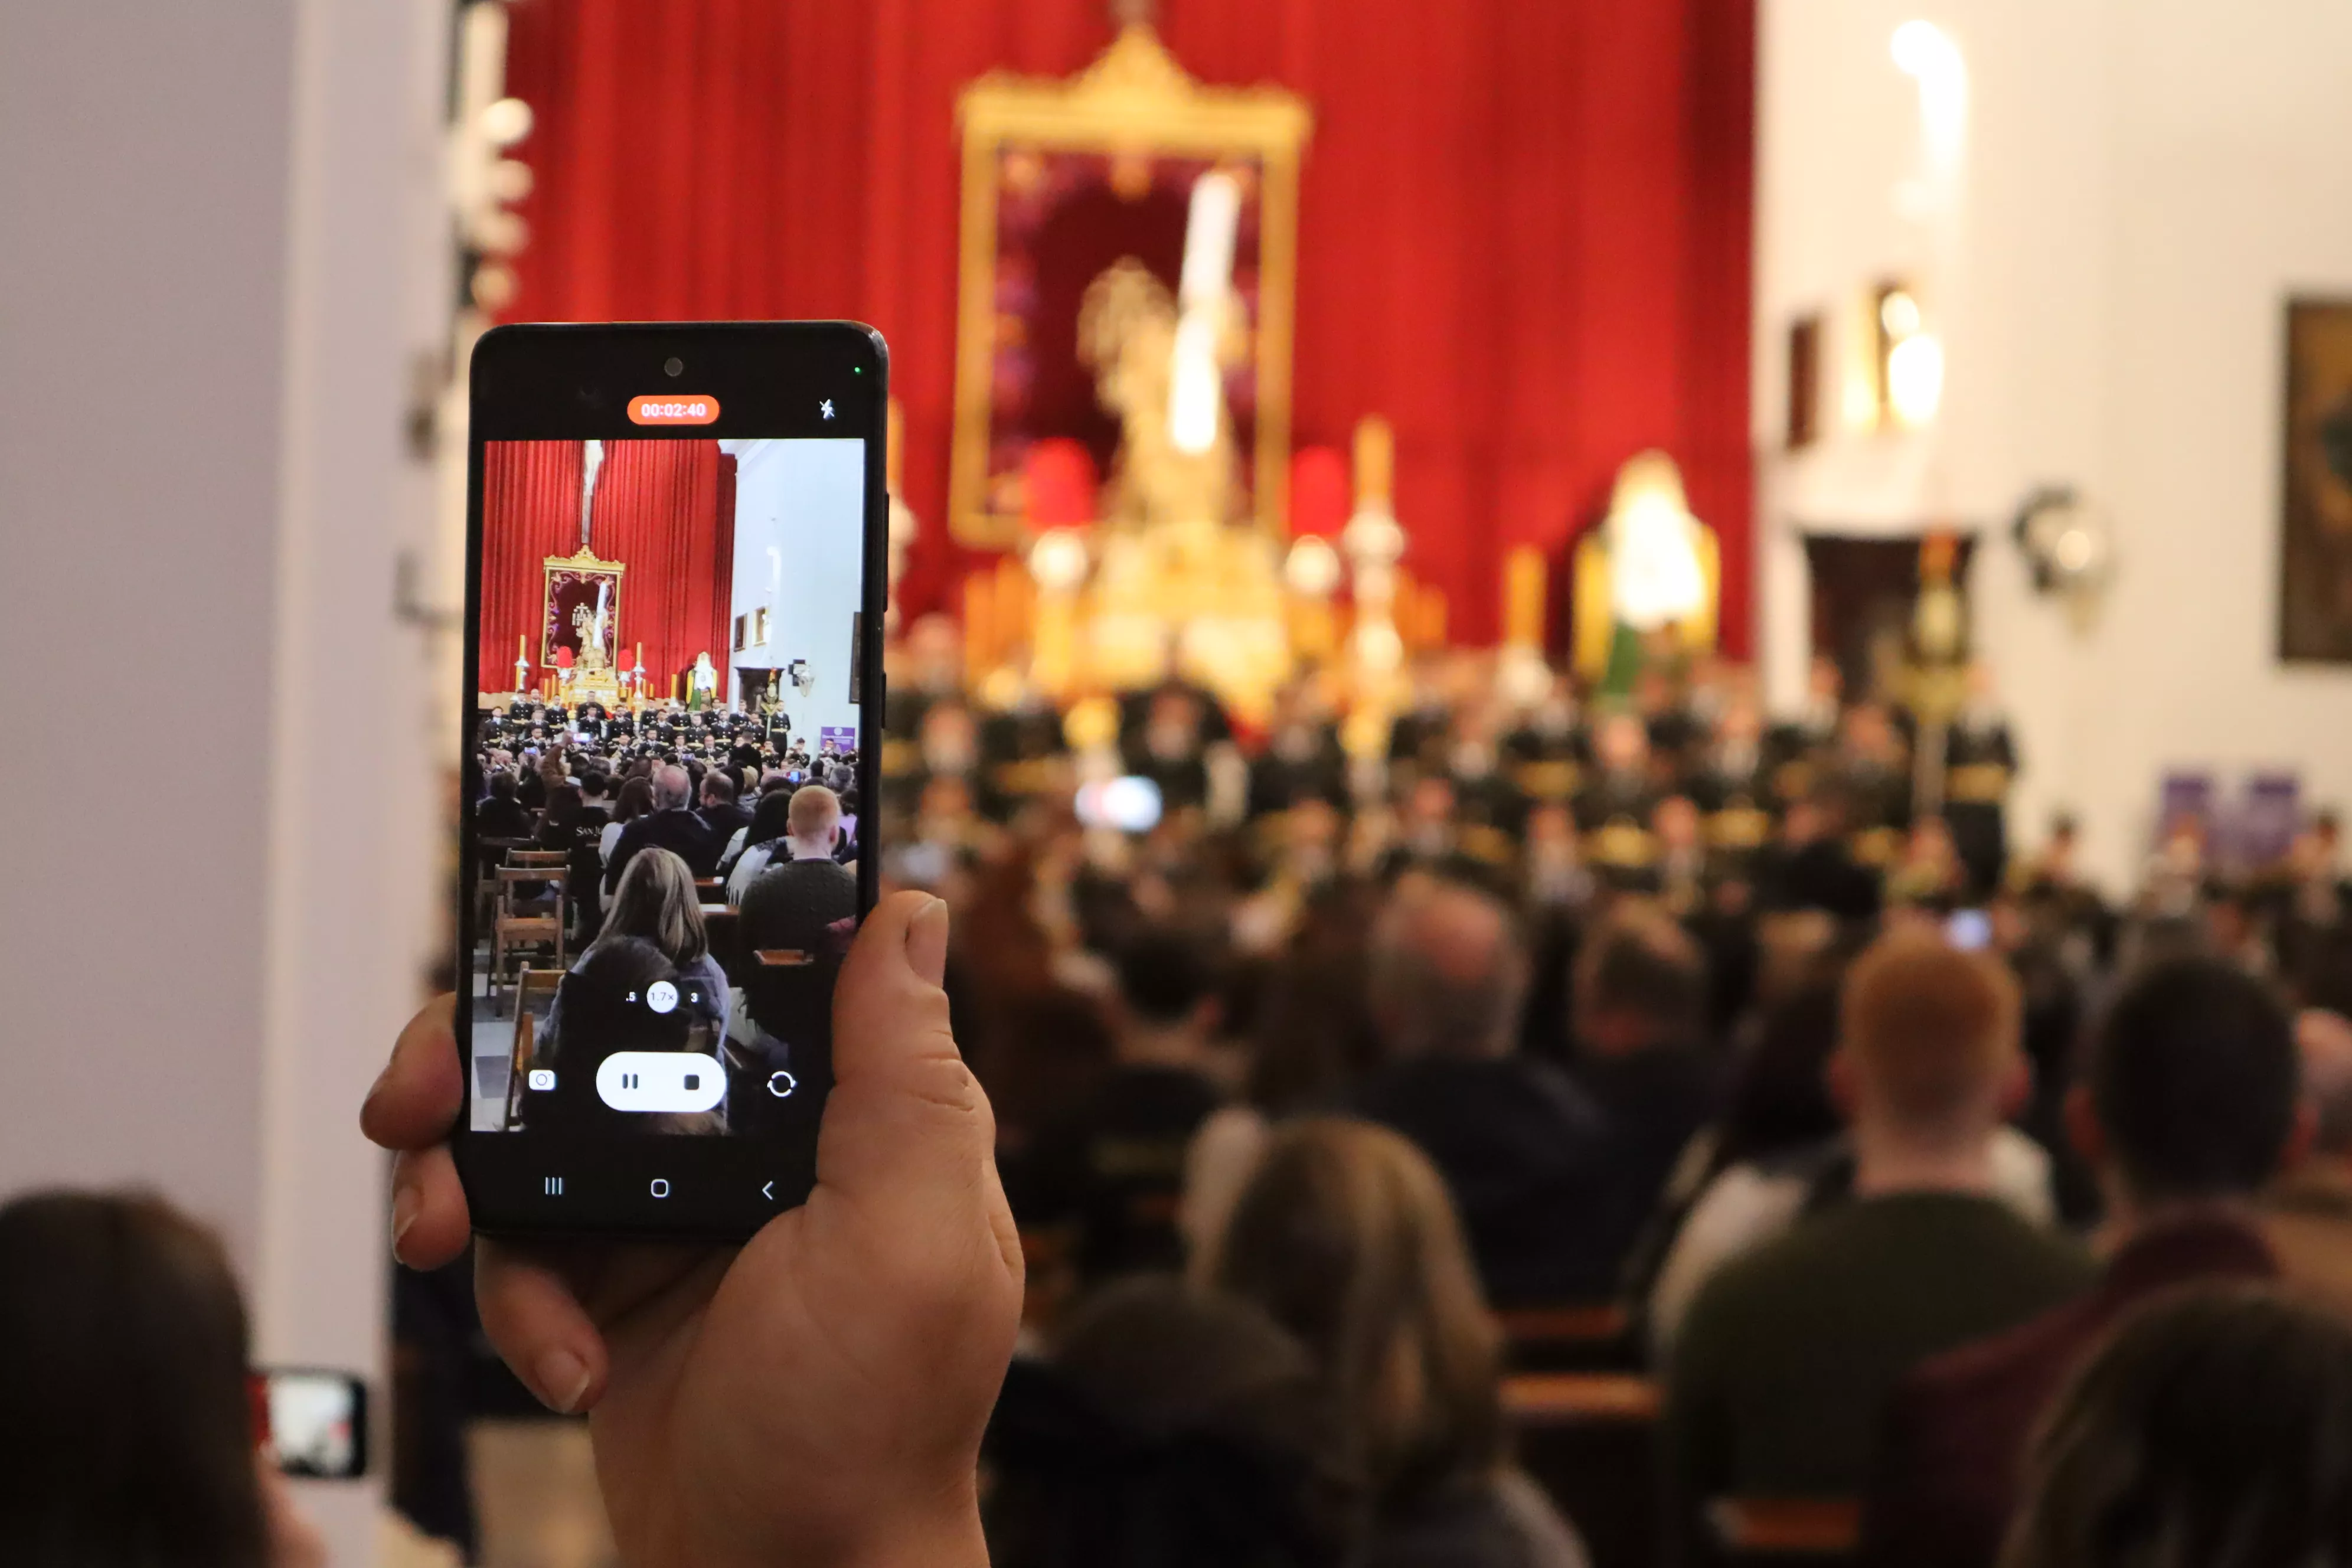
<point x="1128" y="259"/>
<point x="582" y="611"/>
<point x="760" y="626"/>
<point x="742" y="640"/>
<point x="2316" y="530"/>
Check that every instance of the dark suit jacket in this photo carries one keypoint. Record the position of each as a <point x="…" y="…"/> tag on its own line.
<point x="1525" y="1151"/>
<point x="725" y="819"/>
<point x="678" y="830"/>
<point x="1957" y="1427"/>
<point x="496" y="818"/>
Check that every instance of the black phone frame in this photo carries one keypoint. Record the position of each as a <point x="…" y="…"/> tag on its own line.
<point x="575" y="382"/>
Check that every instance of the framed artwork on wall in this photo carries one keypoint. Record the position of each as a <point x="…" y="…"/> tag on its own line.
<point x="2315" y="616"/>
<point x="1077" y="204"/>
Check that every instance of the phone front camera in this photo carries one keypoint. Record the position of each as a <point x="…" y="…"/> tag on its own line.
<point x="674" y="365"/>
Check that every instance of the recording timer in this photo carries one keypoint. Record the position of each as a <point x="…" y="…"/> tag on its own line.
<point x="673" y="409"/>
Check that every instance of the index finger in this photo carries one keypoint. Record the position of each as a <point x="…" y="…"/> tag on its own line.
<point x="416" y="1102"/>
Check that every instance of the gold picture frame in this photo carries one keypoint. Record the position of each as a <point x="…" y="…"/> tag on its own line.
<point x="1134" y="103"/>
<point x="585" y="566"/>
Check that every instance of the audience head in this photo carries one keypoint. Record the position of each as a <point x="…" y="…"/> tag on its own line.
<point x="502" y="785"/>
<point x="595" y="786"/>
<point x="770" y="819"/>
<point x="635" y="799"/>
<point x="2191" y="1092"/>
<point x="1172" y="1428"/>
<point x="719" y="787"/>
<point x="1929" y="1053"/>
<point x="564" y="807"/>
<point x="123" y="1377"/>
<point x="1780" y="1099"/>
<point x="673" y="787"/>
<point x="1165" y="981"/>
<point x="815" y="817"/>
<point x="2324" y="1040"/>
<point x="1448" y="973"/>
<point x="1347" y="1237"/>
<point x="2214" y="1429"/>
<point x="657" y="901"/>
<point x="1640" y="982"/>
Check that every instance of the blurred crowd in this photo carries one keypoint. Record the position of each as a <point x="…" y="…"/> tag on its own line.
<point x="1372" y="1054"/>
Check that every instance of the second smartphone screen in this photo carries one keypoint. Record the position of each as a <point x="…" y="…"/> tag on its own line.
<point x="667" y="700"/>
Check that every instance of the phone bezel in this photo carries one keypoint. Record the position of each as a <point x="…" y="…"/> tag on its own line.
<point x="574" y="383"/>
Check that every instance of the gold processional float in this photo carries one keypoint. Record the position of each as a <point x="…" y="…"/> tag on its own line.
<point x="1206" y="551"/>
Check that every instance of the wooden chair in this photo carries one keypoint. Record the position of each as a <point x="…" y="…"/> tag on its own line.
<point x="1786" y="1532"/>
<point x="520" y="925"/>
<point x="1589" y="1440"/>
<point x="539" y="857"/>
<point x="489" y="854"/>
<point x="529" y="984"/>
<point x="1595" y="1336"/>
<point x="721" y="928"/>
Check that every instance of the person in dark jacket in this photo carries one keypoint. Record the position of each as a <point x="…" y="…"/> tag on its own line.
<point x="1522" y="1149"/>
<point x="720" y="809"/>
<point x="672" y="826"/>
<point x="499" y="815"/>
<point x="1641" y="994"/>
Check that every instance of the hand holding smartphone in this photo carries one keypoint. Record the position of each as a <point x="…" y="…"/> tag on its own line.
<point x="677" y="536"/>
<point x="817" y="1393"/>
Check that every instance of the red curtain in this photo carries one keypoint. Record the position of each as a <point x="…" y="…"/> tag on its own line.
<point x="531" y="511"/>
<point x="1524" y="235"/>
<point x="666" y="511"/>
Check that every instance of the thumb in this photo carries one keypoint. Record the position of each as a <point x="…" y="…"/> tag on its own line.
<point x="905" y="1120"/>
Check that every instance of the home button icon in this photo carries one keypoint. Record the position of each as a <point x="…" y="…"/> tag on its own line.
<point x="661" y="1187"/>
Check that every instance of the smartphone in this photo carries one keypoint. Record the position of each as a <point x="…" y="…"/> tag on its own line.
<point x="314" y="1422"/>
<point x="660" y="519"/>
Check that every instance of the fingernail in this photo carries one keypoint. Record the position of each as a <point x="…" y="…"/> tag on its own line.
<point x="407" y="1203"/>
<point x="927" y="942"/>
<point x="563" y="1379"/>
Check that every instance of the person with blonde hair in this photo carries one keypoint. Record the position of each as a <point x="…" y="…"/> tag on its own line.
<point x="657" y="902"/>
<point x="1789" y="1352"/>
<point x="1345" y="1235"/>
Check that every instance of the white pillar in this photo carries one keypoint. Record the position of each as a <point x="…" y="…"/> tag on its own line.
<point x="223" y="251"/>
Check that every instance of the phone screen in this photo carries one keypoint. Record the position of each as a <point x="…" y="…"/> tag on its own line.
<point x="673" y="560"/>
<point x="316" y="1423"/>
<point x="1131" y="804"/>
<point x="1969" y="930"/>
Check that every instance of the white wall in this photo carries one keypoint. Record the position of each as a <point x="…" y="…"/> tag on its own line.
<point x="2147" y="181"/>
<point x="799" y="538"/>
<point x="219" y="255"/>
